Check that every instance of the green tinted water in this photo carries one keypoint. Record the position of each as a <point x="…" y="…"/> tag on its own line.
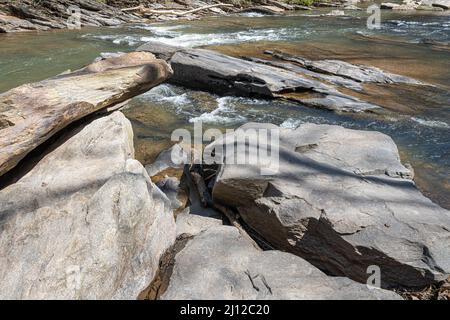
<point x="421" y="129"/>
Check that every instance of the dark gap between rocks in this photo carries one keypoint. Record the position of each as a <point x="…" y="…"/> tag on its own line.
<point x="161" y="280"/>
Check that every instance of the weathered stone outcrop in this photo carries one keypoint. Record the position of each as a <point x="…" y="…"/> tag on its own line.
<point x="32" y="113"/>
<point x="312" y="83"/>
<point x="359" y="73"/>
<point x="221" y="264"/>
<point x="429" y="5"/>
<point x="86" y="222"/>
<point x="28" y="15"/>
<point x="212" y="71"/>
<point x="342" y="200"/>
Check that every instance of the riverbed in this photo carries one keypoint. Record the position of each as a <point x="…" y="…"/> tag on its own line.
<point x="412" y="44"/>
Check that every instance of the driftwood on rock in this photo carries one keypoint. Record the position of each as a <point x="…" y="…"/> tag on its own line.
<point x="32" y="113"/>
<point x="179" y="13"/>
<point x="264" y="9"/>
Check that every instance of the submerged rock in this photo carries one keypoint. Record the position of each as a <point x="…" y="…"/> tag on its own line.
<point x="32" y="113"/>
<point x="221" y="264"/>
<point x="342" y="200"/>
<point x="86" y="222"/>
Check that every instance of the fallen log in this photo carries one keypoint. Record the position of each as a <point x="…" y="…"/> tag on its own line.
<point x="32" y="113"/>
<point x="165" y="11"/>
<point x="264" y="10"/>
<point x="140" y="7"/>
<point x="280" y="5"/>
<point x="206" y="7"/>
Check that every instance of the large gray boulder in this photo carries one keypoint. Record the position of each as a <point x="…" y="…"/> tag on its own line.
<point x="86" y="222"/>
<point x="342" y="200"/>
<point x="221" y="264"/>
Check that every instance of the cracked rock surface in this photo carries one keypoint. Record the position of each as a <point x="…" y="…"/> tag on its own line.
<point x="342" y="200"/>
<point x="220" y="264"/>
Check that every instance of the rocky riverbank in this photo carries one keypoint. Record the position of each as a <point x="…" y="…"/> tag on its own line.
<point x="327" y="84"/>
<point x="31" y="15"/>
<point x="80" y="218"/>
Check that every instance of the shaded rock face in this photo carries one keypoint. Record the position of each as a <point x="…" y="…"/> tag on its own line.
<point x="220" y="264"/>
<point x="342" y="200"/>
<point x="86" y="222"/>
<point x="32" y="113"/>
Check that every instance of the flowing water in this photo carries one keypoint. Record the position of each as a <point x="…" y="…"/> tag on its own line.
<point x="417" y="45"/>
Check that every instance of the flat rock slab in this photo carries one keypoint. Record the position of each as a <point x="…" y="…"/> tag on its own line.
<point x="32" y="113"/>
<point x="86" y="222"/>
<point x="226" y="75"/>
<point x="359" y="73"/>
<point x="220" y="264"/>
<point x="342" y="200"/>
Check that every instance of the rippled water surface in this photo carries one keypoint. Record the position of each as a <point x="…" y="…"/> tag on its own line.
<point x="416" y="45"/>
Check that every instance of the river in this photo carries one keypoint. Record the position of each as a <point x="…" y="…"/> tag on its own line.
<point x="412" y="44"/>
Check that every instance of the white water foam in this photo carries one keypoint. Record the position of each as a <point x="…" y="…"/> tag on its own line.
<point x="252" y="14"/>
<point x="291" y="123"/>
<point x="168" y="35"/>
<point x="224" y="113"/>
<point x="431" y="123"/>
<point x="167" y="93"/>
